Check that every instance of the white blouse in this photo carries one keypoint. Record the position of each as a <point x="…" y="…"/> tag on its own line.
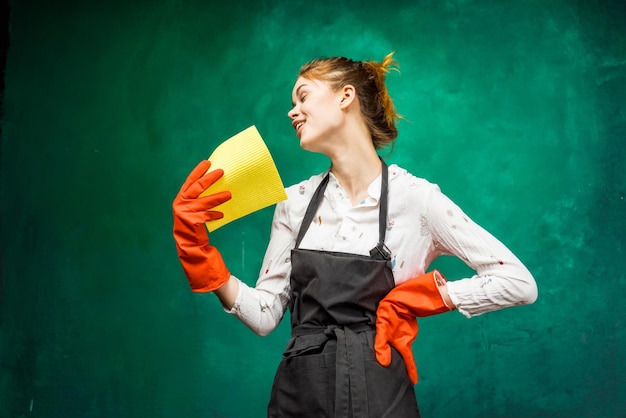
<point x="422" y="224"/>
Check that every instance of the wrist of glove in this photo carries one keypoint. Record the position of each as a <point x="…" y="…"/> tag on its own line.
<point x="202" y="263"/>
<point x="396" y="317"/>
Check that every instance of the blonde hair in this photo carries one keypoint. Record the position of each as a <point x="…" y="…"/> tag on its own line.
<point x="368" y="78"/>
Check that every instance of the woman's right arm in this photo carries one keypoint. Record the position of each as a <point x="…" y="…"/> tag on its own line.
<point x="228" y="293"/>
<point x="262" y="308"/>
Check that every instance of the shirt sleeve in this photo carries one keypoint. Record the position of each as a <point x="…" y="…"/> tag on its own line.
<point x="262" y="308"/>
<point x="501" y="279"/>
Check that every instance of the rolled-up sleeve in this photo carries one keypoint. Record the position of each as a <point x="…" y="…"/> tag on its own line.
<point x="262" y="308"/>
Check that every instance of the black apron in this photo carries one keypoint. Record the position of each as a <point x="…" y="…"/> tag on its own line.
<point x="329" y="368"/>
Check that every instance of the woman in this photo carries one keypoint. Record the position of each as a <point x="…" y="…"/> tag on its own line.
<point x="348" y="254"/>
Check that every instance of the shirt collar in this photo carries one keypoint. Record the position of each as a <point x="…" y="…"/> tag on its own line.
<point x="373" y="190"/>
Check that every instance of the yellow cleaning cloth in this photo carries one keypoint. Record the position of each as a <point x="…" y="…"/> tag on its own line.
<point x="249" y="174"/>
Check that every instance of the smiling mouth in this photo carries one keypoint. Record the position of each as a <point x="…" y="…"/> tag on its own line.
<point x="298" y="126"/>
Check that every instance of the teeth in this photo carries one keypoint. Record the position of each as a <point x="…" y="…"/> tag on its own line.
<point x="299" y="125"/>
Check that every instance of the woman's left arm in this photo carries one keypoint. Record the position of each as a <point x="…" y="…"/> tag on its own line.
<point x="501" y="279"/>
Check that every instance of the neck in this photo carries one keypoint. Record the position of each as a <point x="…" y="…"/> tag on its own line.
<point x="356" y="170"/>
<point x="354" y="161"/>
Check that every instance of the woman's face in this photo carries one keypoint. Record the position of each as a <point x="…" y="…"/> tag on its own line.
<point x="316" y="113"/>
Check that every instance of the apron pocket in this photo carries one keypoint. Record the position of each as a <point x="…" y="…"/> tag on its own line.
<point x="305" y="345"/>
<point x="304" y="385"/>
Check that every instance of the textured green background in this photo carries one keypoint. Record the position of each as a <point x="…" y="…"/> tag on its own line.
<point x="516" y="108"/>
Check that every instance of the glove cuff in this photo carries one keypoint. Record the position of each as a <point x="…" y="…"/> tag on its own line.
<point x="420" y="295"/>
<point x="204" y="267"/>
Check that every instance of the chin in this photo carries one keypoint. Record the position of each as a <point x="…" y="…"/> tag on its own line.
<point x="312" y="145"/>
<point x="305" y="145"/>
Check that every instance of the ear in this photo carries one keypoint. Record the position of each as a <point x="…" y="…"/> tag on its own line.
<point x="347" y="96"/>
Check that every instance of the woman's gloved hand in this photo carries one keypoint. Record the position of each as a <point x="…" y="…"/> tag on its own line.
<point x="396" y="323"/>
<point x="202" y="263"/>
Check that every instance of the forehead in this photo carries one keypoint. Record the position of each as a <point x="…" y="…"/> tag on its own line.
<point x="302" y="82"/>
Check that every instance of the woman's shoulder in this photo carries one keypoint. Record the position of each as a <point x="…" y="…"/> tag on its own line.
<point x="298" y="196"/>
<point x="305" y="188"/>
<point x="291" y="210"/>
<point x="400" y="178"/>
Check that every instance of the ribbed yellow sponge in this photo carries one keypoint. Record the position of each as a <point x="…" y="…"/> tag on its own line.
<point x="249" y="174"/>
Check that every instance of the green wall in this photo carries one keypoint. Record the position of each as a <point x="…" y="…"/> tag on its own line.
<point x="516" y="108"/>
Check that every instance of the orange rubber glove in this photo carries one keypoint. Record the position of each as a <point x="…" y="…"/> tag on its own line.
<point x="202" y="263"/>
<point x="396" y="323"/>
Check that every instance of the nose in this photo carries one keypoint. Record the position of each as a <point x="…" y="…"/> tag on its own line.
<point x="293" y="113"/>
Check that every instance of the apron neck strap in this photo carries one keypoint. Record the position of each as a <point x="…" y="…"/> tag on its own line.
<point x="318" y="196"/>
